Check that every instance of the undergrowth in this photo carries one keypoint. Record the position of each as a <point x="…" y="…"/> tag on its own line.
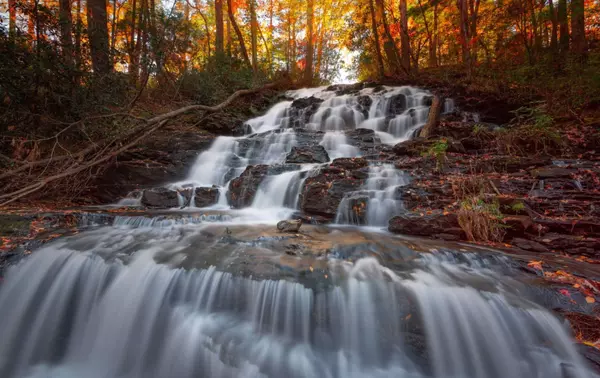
<point x="481" y="220"/>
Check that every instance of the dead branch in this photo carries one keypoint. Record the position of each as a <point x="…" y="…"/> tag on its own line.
<point x="105" y="150"/>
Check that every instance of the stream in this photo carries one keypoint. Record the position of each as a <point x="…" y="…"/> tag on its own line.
<point x="212" y="289"/>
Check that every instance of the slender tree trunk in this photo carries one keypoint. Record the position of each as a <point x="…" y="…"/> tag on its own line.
<point x="219" y="39"/>
<point x="404" y="37"/>
<point x="239" y="34"/>
<point x="98" y="36"/>
<point x="310" y="13"/>
<point x="31" y="20"/>
<point x="554" y="37"/>
<point x="433" y="46"/>
<point x="229" y="39"/>
<point x="464" y="36"/>
<point x="113" y="32"/>
<point x="78" y="29"/>
<point x="12" y="19"/>
<point x="288" y="50"/>
<point x="389" y="46"/>
<point x="563" y="25"/>
<point x="253" y="35"/>
<point x="579" y="48"/>
<point x="271" y="37"/>
<point x="379" y="58"/>
<point x="132" y="48"/>
<point x="66" y="25"/>
<point x="206" y="29"/>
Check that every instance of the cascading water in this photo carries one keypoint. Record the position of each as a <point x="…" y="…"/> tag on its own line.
<point x="208" y="295"/>
<point x="107" y="313"/>
<point x="316" y="116"/>
<point x="377" y="201"/>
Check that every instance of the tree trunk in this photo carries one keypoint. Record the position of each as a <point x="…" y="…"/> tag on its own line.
<point x="433" y="120"/>
<point x="253" y="35"/>
<point x="404" y="37"/>
<point x="66" y="25"/>
<point x="579" y="48"/>
<point x="379" y="58"/>
<point x="308" y="72"/>
<point x="113" y="32"/>
<point x="563" y="25"/>
<point x="239" y="34"/>
<point x="219" y="38"/>
<point x="133" y="57"/>
<point x="98" y="36"/>
<point x="464" y="36"/>
<point x="12" y="19"/>
<point x="554" y="37"/>
<point x="433" y="45"/>
<point x="78" y="29"/>
<point x="389" y="46"/>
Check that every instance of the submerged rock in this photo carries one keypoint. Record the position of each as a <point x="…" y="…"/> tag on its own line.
<point x="312" y="154"/>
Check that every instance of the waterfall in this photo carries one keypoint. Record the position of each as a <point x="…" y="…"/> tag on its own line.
<point x="377" y="201"/>
<point x="75" y="315"/>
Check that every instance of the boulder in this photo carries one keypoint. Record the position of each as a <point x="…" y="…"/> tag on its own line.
<point x="243" y="188"/>
<point x="306" y="102"/>
<point x="350" y="163"/>
<point x="437" y="225"/>
<point x="312" y="154"/>
<point x="397" y="104"/>
<point x="322" y="198"/>
<point x="289" y="225"/>
<point x="160" y="198"/>
<point x="204" y="197"/>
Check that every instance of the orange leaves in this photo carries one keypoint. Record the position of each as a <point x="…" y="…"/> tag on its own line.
<point x="537" y="265"/>
<point x="590" y="299"/>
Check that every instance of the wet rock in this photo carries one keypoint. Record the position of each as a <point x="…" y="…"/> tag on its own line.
<point x="243" y="188"/>
<point x="302" y="103"/>
<point x="204" y="197"/>
<point x="350" y="163"/>
<point x="571" y="244"/>
<point x="344" y="89"/>
<point x="397" y="104"/>
<point x="435" y="225"/>
<point x="529" y="245"/>
<point x="312" y="154"/>
<point x="165" y="157"/>
<point x="289" y="225"/>
<point x="412" y="147"/>
<point x="160" y="198"/>
<point x="552" y="172"/>
<point x="365" y="102"/>
<point x="361" y="135"/>
<point x="322" y="195"/>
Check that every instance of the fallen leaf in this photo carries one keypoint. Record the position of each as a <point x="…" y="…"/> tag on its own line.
<point x="590" y="299"/>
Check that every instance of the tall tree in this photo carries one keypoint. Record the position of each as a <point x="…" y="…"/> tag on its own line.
<point x="579" y="47"/>
<point x="12" y="19"/>
<point x="389" y="46"/>
<point x="98" y="36"/>
<point x="66" y="26"/>
<point x="554" y="34"/>
<point x="253" y="35"/>
<point x="563" y="25"/>
<point x="240" y="36"/>
<point x="219" y="38"/>
<point x="464" y="36"/>
<point x="310" y="14"/>
<point x="404" y="37"/>
<point x="378" y="57"/>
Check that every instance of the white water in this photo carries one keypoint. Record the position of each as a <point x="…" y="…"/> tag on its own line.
<point x="382" y="200"/>
<point x="71" y="314"/>
<point x="394" y="113"/>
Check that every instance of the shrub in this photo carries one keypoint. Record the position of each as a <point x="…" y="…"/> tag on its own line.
<point x="481" y="221"/>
